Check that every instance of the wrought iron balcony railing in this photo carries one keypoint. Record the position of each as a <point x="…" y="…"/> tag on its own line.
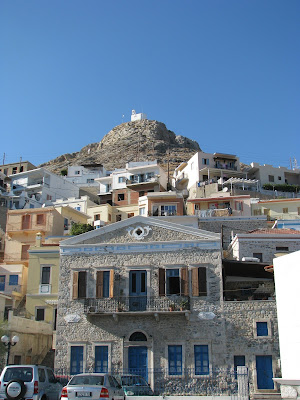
<point x="136" y="304"/>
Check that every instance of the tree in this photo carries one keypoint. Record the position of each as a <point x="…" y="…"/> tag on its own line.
<point x="78" y="228"/>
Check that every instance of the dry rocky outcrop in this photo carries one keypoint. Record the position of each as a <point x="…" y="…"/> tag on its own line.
<point x="131" y="141"/>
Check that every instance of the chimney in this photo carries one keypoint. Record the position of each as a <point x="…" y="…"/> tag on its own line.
<point x="38" y="239"/>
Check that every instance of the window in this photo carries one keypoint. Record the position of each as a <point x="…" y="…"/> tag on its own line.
<point x="238" y="361"/>
<point x="77" y="172"/>
<point x="24" y="254"/>
<point x="266" y="211"/>
<point x="121" y="179"/>
<point x="76" y="360"/>
<point x="168" y="210"/>
<point x="129" y="215"/>
<point x="109" y="217"/>
<point x="118" y="217"/>
<point x="79" y="285"/>
<point x="40" y="219"/>
<point x="262" y="329"/>
<point x="101" y="358"/>
<point x="256" y="212"/>
<point x="141" y="193"/>
<point x="258" y="255"/>
<point x="14" y="170"/>
<point x="2" y="283"/>
<point x="173" y="281"/>
<point x="121" y="196"/>
<point x="282" y="248"/>
<point x="13" y="279"/>
<point x="42" y="375"/>
<point x="279" y="178"/>
<point x="97" y="217"/>
<point x="285" y="210"/>
<point x="91" y="180"/>
<point x="40" y="314"/>
<point x="199" y="281"/>
<point x="104" y="284"/>
<point x="149" y="175"/>
<point x="175" y="360"/>
<point x="205" y="161"/>
<point x="271" y="178"/>
<point x="142" y="211"/>
<point x="201" y="360"/>
<point x="21" y="168"/>
<point x="66" y="223"/>
<point x="238" y="205"/>
<point x="78" y="208"/>
<point x="26" y="221"/>
<point x="45" y="275"/>
<point x="49" y="197"/>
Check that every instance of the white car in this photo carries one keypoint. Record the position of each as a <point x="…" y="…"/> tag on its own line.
<point x="93" y="386"/>
<point x="32" y="382"/>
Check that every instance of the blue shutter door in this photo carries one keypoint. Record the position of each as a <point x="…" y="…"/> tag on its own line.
<point x="2" y="283"/>
<point x="138" y="360"/>
<point x="76" y="360"/>
<point x="137" y="290"/>
<point x="201" y="360"/>
<point x="264" y="372"/>
<point x="175" y="360"/>
<point x="101" y="359"/>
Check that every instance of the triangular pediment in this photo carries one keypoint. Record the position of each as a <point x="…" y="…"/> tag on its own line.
<point x="140" y="230"/>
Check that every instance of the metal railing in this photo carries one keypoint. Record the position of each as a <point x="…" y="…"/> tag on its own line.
<point x="136" y="304"/>
<point x="187" y="381"/>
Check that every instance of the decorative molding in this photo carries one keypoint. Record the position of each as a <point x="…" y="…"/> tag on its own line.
<point x="139" y="247"/>
<point x="139" y="232"/>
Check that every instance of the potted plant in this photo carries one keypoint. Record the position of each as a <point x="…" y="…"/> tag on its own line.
<point x="184" y="304"/>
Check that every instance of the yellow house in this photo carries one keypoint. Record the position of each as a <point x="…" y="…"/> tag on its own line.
<point x="70" y="216"/>
<point x="106" y="214"/>
<point x="43" y="280"/>
<point x="277" y="208"/>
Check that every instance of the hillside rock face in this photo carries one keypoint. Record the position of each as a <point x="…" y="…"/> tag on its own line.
<point x="131" y="141"/>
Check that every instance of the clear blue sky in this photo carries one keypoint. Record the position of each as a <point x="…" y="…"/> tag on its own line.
<point x="225" y="73"/>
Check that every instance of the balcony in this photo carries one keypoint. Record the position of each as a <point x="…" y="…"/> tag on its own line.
<point x="138" y="304"/>
<point x="220" y="212"/>
<point x="220" y="165"/>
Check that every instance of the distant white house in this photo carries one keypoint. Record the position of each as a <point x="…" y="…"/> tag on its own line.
<point x="274" y="175"/>
<point x="85" y="174"/>
<point x="34" y="188"/>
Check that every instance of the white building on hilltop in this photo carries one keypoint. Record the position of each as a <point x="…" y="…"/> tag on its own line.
<point x="137" y="117"/>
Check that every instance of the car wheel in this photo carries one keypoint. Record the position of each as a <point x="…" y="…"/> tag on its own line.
<point x="15" y="389"/>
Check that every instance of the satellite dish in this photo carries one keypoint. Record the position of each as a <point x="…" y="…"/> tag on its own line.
<point x="225" y="189"/>
<point x="206" y="315"/>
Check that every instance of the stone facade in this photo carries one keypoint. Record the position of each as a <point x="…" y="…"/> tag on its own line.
<point x="194" y="319"/>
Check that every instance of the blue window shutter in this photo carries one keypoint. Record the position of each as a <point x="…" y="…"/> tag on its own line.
<point x="201" y="360"/>
<point x="262" y="328"/>
<point x="101" y="359"/>
<point x="76" y="360"/>
<point x="175" y="360"/>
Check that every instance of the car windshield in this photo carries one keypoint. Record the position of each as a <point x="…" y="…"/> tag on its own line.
<point x="132" y="380"/>
<point x="87" y="380"/>
<point x="23" y="373"/>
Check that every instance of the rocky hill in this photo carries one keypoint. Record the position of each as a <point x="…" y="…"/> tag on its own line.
<point x="131" y="141"/>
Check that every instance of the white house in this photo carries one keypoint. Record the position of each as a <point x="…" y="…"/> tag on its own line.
<point x="85" y="174"/>
<point x="287" y="276"/>
<point x="32" y="189"/>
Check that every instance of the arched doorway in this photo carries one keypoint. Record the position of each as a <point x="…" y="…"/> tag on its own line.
<point x="138" y="355"/>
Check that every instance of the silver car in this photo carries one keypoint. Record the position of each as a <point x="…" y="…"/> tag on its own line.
<point x="93" y="386"/>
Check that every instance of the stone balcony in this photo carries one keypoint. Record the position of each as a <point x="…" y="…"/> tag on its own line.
<point x="153" y="305"/>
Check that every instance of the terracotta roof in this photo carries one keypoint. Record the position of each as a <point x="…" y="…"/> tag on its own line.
<point x="281" y="231"/>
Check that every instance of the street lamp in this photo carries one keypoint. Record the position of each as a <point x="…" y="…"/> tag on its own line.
<point x="8" y="343"/>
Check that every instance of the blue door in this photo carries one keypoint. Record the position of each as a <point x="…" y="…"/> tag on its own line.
<point x="138" y="361"/>
<point x="264" y="372"/>
<point x="2" y="283"/>
<point x="76" y="360"/>
<point x="137" y="290"/>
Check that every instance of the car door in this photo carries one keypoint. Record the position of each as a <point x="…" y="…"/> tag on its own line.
<point x="53" y="387"/>
<point x="116" y="390"/>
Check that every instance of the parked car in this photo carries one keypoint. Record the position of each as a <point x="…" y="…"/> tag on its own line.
<point x="93" y="386"/>
<point x="34" y="382"/>
<point x="134" y="385"/>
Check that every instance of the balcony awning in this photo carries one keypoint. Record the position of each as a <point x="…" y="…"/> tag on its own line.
<point x="241" y="181"/>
